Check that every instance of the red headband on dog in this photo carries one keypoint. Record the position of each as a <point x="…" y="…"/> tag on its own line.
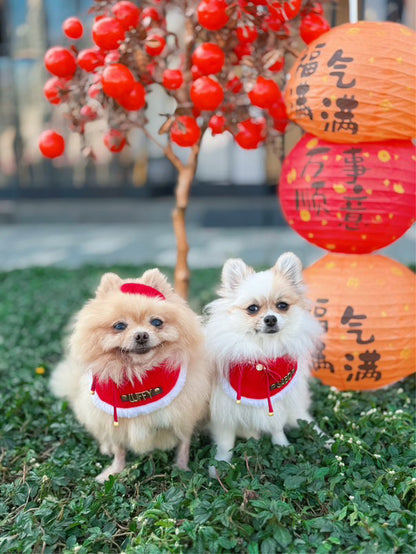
<point x="137" y="288"/>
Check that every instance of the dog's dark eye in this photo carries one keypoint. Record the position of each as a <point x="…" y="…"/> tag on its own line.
<point x="253" y="309"/>
<point x="282" y="306"/>
<point x="156" y="322"/>
<point x="120" y="326"/>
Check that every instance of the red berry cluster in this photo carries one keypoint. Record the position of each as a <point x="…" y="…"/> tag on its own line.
<point x="224" y="70"/>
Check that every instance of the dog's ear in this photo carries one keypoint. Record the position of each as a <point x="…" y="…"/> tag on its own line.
<point x="109" y="281"/>
<point x="154" y="278"/>
<point x="289" y="265"/>
<point x="234" y="272"/>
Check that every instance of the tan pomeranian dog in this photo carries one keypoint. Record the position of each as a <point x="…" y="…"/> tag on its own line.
<point x="262" y="338"/>
<point x="136" y="373"/>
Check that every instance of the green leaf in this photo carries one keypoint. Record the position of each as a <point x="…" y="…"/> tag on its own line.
<point x="342" y="514"/>
<point x="268" y="546"/>
<point x="390" y="502"/>
<point x="253" y="548"/>
<point x="294" y="482"/>
<point x="282" y="535"/>
<point x="321" y="473"/>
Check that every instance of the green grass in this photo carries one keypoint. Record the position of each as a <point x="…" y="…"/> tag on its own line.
<point x="359" y="496"/>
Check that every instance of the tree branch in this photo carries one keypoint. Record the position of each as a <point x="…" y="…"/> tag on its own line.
<point x="167" y="150"/>
<point x="292" y="51"/>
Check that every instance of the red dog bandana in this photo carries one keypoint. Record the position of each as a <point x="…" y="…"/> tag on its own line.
<point x="154" y="391"/>
<point x="252" y="383"/>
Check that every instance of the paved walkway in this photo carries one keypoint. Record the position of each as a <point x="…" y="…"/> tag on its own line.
<point x="68" y="240"/>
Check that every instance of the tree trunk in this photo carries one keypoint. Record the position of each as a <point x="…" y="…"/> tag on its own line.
<point x="186" y="174"/>
<point x="183" y="188"/>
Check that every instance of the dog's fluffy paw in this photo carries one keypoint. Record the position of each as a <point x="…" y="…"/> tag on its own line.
<point x="182" y="467"/>
<point x="280" y="439"/>
<point x="104" y="476"/>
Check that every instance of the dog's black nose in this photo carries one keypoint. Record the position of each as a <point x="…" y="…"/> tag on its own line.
<point x="270" y="320"/>
<point x="142" y="338"/>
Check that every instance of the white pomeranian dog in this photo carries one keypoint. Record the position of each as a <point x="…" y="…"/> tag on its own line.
<point x="136" y="372"/>
<point x="262" y="338"/>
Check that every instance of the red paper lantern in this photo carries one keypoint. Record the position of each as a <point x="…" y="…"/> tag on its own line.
<point x="356" y="83"/>
<point x="366" y="305"/>
<point x="352" y="198"/>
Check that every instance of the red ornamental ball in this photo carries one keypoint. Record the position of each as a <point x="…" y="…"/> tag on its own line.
<point x="234" y="85"/>
<point x="72" y="28"/>
<point x="265" y="93"/>
<point x="150" y="14"/>
<point x="185" y="131"/>
<point x="107" y="33"/>
<point x="135" y="99"/>
<point x="286" y="9"/>
<point x="272" y="22"/>
<point x="55" y="88"/>
<point x="278" y="64"/>
<point x="251" y="133"/>
<point x="313" y="26"/>
<point x="89" y="59"/>
<point x="88" y="113"/>
<point x="155" y="44"/>
<point x="316" y="7"/>
<point x="94" y="91"/>
<point x="217" y="124"/>
<point x="117" y="80"/>
<point x="206" y="94"/>
<point x="196" y="72"/>
<point x="127" y="13"/>
<point x="115" y="140"/>
<point x="172" y="79"/>
<point x="241" y="50"/>
<point x="212" y="14"/>
<point x="247" y="33"/>
<point x="60" y="61"/>
<point x="112" y="57"/>
<point x="51" y="144"/>
<point x="349" y="198"/>
<point x="278" y="113"/>
<point x="209" y="58"/>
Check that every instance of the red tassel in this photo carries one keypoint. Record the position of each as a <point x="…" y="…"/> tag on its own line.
<point x="115" y="416"/>
<point x="239" y="384"/>
<point x="269" y="402"/>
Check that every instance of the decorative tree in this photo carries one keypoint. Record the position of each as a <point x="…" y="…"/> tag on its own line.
<point x="224" y="72"/>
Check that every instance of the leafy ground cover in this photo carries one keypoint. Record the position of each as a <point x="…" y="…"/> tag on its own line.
<point x="359" y="496"/>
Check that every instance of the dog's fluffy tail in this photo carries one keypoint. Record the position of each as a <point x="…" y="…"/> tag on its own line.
<point x="64" y="381"/>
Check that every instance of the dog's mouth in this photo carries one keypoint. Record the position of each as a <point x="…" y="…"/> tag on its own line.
<point x="270" y="331"/>
<point x="267" y="331"/>
<point x="141" y="349"/>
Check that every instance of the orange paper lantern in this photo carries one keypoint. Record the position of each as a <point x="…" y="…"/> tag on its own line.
<point x="356" y="83"/>
<point x="366" y="304"/>
<point x="352" y="198"/>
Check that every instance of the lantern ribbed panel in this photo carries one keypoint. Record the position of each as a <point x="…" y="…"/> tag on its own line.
<point x="356" y="83"/>
<point x="367" y="304"/>
<point x="352" y="198"/>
